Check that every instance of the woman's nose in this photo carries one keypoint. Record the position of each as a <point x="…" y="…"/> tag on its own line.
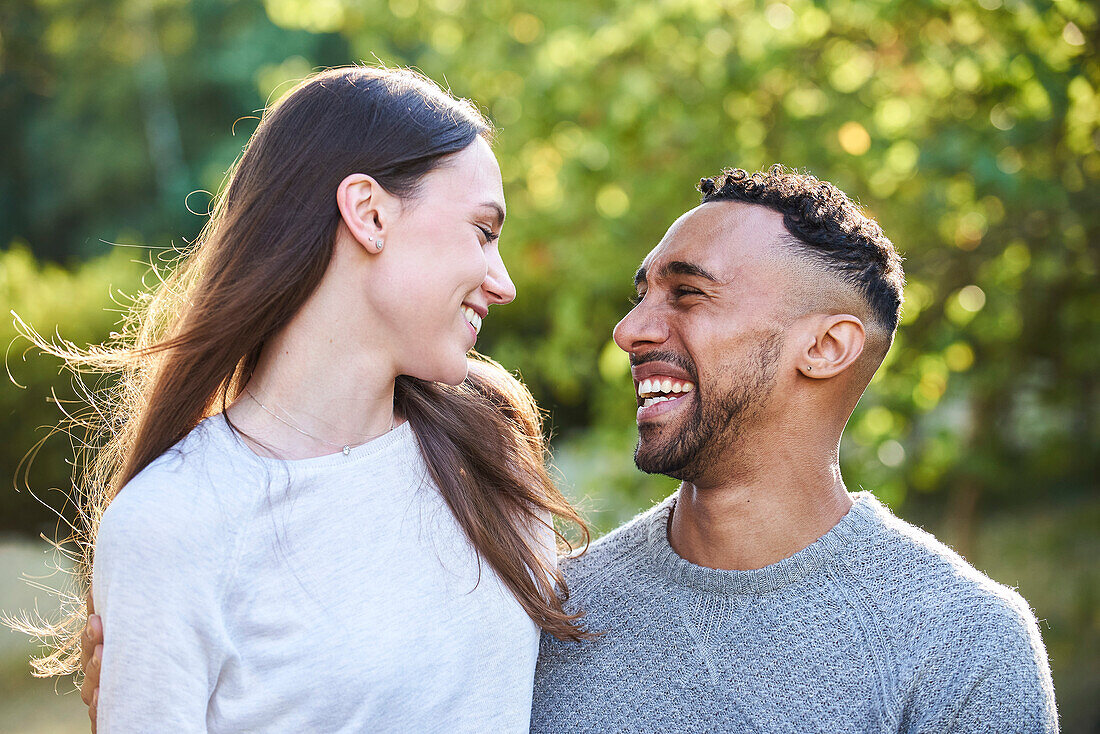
<point x="498" y="285"/>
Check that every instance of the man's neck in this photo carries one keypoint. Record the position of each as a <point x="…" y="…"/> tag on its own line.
<point x="751" y="524"/>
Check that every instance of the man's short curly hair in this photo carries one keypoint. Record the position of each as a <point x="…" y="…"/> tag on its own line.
<point x="826" y="225"/>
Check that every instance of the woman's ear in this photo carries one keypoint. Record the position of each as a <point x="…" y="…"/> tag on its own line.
<point x="836" y="342"/>
<point x="365" y="207"/>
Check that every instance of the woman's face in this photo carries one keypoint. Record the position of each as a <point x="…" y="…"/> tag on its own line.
<point x="440" y="269"/>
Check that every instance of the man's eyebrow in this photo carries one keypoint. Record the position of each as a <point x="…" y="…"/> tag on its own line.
<point x="679" y="267"/>
<point x="498" y="211"/>
<point x="676" y="267"/>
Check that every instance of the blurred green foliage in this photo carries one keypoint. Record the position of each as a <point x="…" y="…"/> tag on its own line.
<point x="84" y="304"/>
<point x="969" y="128"/>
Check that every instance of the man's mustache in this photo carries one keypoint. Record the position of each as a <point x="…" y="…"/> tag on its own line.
<point x="664" y="355"/>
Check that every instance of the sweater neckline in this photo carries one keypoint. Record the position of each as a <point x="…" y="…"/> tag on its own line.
<point x="860" y="520"/>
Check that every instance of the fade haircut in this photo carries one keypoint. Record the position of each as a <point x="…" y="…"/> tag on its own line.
<point x="828" y="227"/>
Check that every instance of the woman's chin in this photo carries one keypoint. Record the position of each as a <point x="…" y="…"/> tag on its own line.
<point x="451" y="374"/>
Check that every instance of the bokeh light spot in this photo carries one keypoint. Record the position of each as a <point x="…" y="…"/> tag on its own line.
<point x="891" y="453"/>
<point x="779" y="16"/>
<point x="854" y="138"/>
<point x="902" y="157"/>
<point x="447" y="37"/>
<point x="614" y="363"/>
<point x="404" y="8"/>
<point x="315" y="16"/>
<point x="718" y="41"/>
<point x="525" y="28"/>
<point x="1001" y="117"/>
<point x="1009" y="160"/>
<point x="1072" y="35"/>
<point x="959" y="357"/>
<point x="972" y="298"/>
<point x="612" y="202"/>
<point x="893" y="115"/>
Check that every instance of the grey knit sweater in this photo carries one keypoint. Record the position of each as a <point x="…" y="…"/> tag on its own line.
<point x="875" y="627"/>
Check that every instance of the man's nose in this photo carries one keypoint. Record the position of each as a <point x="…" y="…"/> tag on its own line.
<point x="642" y="327"/>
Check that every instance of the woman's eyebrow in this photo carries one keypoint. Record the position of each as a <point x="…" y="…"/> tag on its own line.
<point x="498" y="211"/>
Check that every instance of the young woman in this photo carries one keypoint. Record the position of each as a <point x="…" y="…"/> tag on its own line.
<point x="318" y="513"/>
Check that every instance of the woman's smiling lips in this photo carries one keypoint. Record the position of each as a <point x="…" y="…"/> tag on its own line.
<point x="473" y="315"/>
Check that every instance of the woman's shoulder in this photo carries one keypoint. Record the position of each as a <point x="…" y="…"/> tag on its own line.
<point x="168" y="539"/>
<point x="191" y="489"/>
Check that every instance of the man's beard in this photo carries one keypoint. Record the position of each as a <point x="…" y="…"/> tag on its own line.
<point x="714" y="424"/>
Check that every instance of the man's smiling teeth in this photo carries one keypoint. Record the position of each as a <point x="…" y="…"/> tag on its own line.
<point x="472" y="316"/>
<point x="655" y="391"/>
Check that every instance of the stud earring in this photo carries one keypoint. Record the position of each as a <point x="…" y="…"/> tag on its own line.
<point x="809" y="368"/>
<point x="378" y="245"/>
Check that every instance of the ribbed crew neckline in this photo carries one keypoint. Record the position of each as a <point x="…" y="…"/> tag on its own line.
<point x="400" y="435"/>
<point x="861" y="519"/>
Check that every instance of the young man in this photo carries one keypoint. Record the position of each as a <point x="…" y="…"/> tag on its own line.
<point x="763" y="596"/>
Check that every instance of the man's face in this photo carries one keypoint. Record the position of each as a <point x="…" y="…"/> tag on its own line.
<point x="709" y="326"/>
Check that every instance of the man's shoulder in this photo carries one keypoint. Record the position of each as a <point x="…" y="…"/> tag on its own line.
<point x="949" y="617"/>
<point x="606" y="559"/>
<point x="918" y="571"/>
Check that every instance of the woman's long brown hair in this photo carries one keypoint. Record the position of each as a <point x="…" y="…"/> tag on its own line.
<point x="190" y="346"/>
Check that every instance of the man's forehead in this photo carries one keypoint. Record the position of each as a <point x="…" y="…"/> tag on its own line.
<point x="721" y="237"/>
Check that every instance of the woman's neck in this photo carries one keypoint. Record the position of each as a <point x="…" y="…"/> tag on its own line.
<point x="311" y="393"/>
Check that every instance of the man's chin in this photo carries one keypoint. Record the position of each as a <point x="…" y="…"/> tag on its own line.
<point x="651" y="460"/>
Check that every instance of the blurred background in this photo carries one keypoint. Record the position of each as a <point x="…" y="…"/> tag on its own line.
<point x="969" y="128"/>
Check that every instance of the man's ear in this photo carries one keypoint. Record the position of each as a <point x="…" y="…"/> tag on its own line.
<point x="366" y="209"/>
<point x="833" y="343"/>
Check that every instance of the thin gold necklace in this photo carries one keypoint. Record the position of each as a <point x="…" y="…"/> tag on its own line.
<point x="345" y="448"/>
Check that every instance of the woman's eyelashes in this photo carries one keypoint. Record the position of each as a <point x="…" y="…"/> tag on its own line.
<point x="488" y="234"/>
